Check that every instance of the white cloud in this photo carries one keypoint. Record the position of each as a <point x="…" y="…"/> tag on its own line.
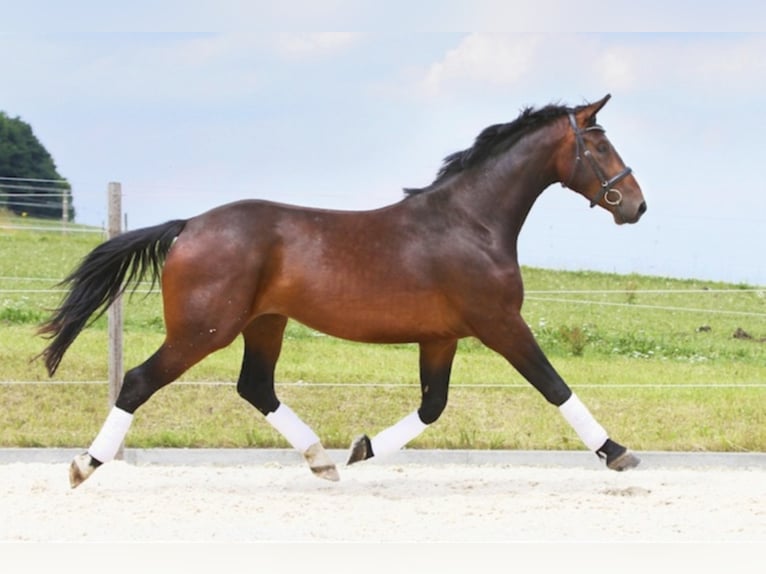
<point x="485" y="59"/>
<point x="207" y="50"/>
<point x="317" y="44"/>
<point x="712" y="62"/>
<point x="617" y="70"/>
<point x="625" y="63"/>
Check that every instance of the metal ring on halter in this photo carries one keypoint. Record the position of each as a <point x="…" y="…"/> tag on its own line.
<point x="617" y="201"/>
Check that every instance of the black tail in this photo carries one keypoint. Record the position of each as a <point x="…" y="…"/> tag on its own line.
<point x="101" y="277"/>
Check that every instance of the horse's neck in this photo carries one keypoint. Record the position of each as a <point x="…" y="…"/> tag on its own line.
<point x="502" y="192"/>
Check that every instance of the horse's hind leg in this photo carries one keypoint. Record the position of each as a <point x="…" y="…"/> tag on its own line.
<point x="263" y="343"/>
<point x="168" y="363"/>
<point x="435" y="368"/>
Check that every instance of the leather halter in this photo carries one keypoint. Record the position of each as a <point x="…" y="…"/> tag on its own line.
<point x="607" y="185"/>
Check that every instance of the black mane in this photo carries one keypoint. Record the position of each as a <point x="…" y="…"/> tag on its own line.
<point x="493" y="140"/>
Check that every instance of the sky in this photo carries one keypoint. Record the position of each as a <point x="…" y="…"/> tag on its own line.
<point x="344" y="120"/>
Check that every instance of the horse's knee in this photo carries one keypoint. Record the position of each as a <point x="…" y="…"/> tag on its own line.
<point x="431" y="408"/>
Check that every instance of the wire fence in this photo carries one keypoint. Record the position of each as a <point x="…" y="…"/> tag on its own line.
<point x="544" y="296"/>
<point x="654" y="307"/>
<point x="531" y="295"/>
<point x="28" y="285"/>
<point x="49" y="199"/>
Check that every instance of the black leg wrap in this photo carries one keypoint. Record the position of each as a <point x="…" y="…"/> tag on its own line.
<point x="361" y="449"/>
<point x="617" y="457"/>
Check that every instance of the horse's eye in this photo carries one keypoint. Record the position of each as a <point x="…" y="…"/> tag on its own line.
<point x="602" y="147"/>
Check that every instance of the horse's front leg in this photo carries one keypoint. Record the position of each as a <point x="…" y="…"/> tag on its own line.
<point x="515" y="341"/>
<point x="435" y="368"/>
<point x="263" y="344"/>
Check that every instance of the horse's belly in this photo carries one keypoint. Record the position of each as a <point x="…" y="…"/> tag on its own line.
<point x="388" y="319"/>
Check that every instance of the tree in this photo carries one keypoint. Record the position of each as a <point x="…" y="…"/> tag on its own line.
<point x="29" y="182"/>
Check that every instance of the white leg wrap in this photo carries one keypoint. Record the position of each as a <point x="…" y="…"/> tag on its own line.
<point x="578" y="416"/>
<point x="111" y="435"/>
<point x="395" y="437"/>
<point x="297" y="433"/>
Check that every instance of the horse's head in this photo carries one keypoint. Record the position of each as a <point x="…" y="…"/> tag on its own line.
<point x="589" y="164"/>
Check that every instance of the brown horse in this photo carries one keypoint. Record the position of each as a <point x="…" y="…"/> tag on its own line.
<point x="435" y="267"/>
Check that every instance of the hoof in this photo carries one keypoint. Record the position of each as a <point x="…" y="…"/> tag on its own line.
<point x="361" y="449"/>
<point x="625" y="461"/>
<point x="320" y="463"/>
<point x="617" y="457"/>
<point x="81" y="468"/>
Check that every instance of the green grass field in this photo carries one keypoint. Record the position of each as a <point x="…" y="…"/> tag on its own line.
<point x="664" y="364"/>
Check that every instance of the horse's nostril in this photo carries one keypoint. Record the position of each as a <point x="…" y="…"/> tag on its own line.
<point x="642" y="208"/>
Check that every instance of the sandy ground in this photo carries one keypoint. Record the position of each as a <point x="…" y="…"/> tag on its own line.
<point x="226" y="511"/>
<point x="382" y="502"/>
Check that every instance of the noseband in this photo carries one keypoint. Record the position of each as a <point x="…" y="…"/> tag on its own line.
<point x="607" y="185"/>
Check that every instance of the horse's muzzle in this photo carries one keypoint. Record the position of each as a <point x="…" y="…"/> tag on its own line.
<point x="624" y="213"/>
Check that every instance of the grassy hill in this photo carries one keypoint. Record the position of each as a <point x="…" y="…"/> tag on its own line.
<point x="665" y="364"/>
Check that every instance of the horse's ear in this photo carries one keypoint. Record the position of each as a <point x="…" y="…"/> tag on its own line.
<point x="587" y="114"/>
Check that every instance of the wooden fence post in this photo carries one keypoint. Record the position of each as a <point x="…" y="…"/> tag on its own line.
<point x="64" y="211"/>
<point x="114" y="314"/>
